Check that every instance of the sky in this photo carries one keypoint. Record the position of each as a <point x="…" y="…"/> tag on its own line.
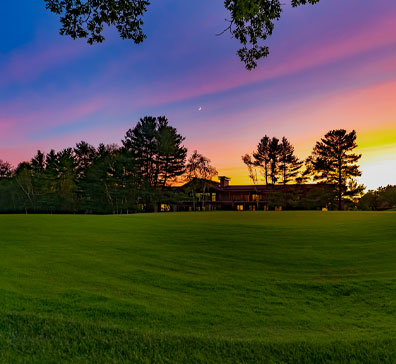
<point x="331" y="65"/>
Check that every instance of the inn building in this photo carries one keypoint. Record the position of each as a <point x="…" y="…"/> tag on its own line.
<point x="212" y="195"/>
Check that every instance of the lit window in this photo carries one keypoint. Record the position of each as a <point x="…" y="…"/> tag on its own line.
<point x="165" y="208"/>
<point x="213" y="197"/>
<point x="240" y="207"/>
<point x="203" y="196"/>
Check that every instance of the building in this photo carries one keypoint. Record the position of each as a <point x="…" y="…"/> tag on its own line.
<point x="211" y="195"/>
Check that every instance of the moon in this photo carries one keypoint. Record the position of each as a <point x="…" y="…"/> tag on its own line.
<point x="200" y="108"/>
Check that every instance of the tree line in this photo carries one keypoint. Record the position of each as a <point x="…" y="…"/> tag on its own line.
<point x="332" y="162"/>
<point x="383" y="198"/>
<point x="140" y="174"/>
<point x="106" y="179"/>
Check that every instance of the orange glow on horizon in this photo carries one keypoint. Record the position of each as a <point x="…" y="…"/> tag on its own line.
<point x="371" y="111"/>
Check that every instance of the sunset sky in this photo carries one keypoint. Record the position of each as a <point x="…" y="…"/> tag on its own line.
<point x="332" y="65"/>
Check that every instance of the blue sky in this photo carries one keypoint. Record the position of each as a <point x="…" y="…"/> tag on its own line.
<point x="331" y="65"/>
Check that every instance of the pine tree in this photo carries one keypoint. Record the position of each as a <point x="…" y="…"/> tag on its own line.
<point x="261" y="156"/>
<point x="273" y="155"/>
<point x="171" y="154"/>
<point x="157" y="149"/>
<point x="333" y="162"/>
<point x="289" y="164"/>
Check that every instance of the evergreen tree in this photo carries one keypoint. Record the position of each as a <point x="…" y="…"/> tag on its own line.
<point x="276" y="160"/>
<point x="96" y="185"/>
<point x="84" y="156"/>
<point x="273" y="156"/>
<point x="289" y="164"/>
<point x="141" y="143"/>
<point x="51" y="175"/>
<point x="65" y="180"/>
<point x="333" y="162"/>
<point x="157" y="150"/>
<point x="261" y="156"/>
<point x="40" y="181"/>
<point x="172" y="154"/>
<point x="38" y="162"/>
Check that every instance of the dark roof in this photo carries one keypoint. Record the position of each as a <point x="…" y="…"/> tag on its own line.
<point x="259" y="188"/>
<point x="264" y="188"/>
<point x="200" y="180"/>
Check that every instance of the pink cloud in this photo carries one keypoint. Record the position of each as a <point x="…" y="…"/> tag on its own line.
<point x="230" y="75"/>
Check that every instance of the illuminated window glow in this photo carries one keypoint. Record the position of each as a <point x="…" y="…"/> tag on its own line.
<point x="165" y="207"/>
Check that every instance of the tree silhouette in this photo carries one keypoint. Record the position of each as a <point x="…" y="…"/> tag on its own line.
<point x="38" y="161"/>
<point x="251" y="23"/>
<point x="107" y="179"/>
<point x="85" y="19"/>
<point x="333" y="162"/>
<point x="171" y="153"/>
<point x="261" y="156"/>
<point x="251" y="165"/>
<point x="141" y="174"/>
<point x="142" y="145"/>
<point x="273" y="155"/>
<point x="382" y="198"/>
<point x="247" y="159"/>
<point x="157" y="149"/>
<point x="275" y="159"/>
<point x="84" y="156"/>
<point x="199" y="172"/>
<point x="289" y="164"/>
<point x="5" y="169"/>
<point x="24" y="180"/>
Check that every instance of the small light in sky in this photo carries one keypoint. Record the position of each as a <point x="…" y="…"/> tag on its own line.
<point x="200" y="108"/>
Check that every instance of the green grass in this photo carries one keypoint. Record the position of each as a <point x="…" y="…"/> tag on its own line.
<point x="260" y="287"/>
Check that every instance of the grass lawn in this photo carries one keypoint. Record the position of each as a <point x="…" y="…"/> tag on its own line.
<point x="219" y="287"/>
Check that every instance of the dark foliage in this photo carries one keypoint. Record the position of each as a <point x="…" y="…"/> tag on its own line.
<point x="157" y="149"/>
<point x="5" y="169"/>
<point x="289" y="164"/>
<point x="86" y="19"/>
<point x="251" y="23"/>
<point x="261" y="156"/>
<point x="383" y="198"/>
<point x="199" y="172"/>
<point x="275" y="160"/>
<point x="333" y="162"/>
<point x="107" y="179"/>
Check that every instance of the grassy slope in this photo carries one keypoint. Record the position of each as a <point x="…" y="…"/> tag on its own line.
<point x="199" y="287"/>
